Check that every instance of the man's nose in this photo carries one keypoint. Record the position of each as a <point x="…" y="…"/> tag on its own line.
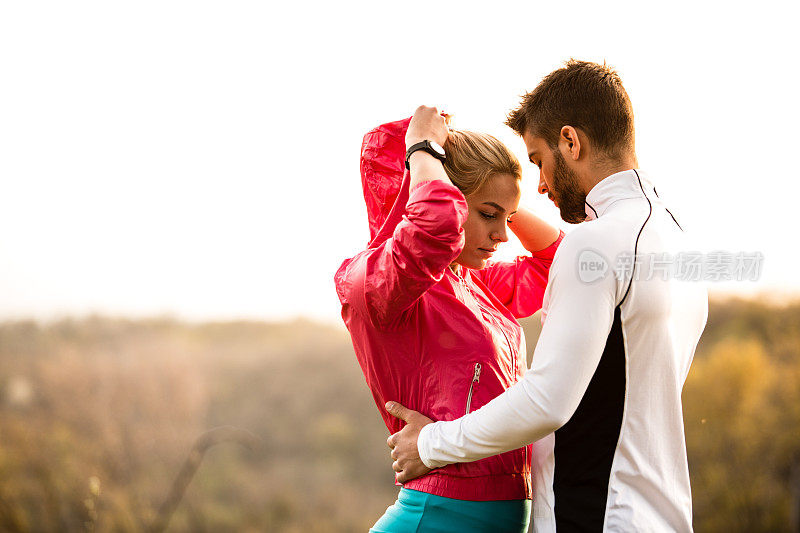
<point x="542" y="184"/>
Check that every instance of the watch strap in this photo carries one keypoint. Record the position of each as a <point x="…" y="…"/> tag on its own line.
<point x="426" y="147"/>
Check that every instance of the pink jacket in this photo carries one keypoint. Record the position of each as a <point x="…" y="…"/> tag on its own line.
<point x="437" y="343"/>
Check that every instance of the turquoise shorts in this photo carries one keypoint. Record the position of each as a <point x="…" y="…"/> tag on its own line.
<point x="418" y="512"/>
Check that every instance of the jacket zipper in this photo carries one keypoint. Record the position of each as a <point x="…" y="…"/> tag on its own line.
<point x="502" y="330"/>
<point x="476" y="377"/>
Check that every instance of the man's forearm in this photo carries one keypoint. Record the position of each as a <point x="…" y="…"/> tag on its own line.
<point x="508" y="422"/>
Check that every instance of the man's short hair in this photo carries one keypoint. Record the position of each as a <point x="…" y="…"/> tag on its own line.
<point x="584" y="95"/>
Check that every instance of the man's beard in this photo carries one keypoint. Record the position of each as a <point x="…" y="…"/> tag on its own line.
<point x="571" y="199"/>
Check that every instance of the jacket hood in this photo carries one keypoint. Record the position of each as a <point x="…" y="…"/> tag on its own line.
<point x="384" y="178"/>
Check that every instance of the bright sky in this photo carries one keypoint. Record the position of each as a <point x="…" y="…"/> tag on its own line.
<point x="200" y="158"/>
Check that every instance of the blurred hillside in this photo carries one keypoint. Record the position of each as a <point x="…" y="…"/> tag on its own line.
<point x="98" y="415"/>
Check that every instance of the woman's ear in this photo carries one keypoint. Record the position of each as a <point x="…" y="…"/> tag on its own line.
<point x="570" y="143"/>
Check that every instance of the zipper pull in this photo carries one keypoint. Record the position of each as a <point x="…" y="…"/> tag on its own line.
<point x="476" y="377"/>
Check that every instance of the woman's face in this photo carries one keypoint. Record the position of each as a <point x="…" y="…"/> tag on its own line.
<point x="485" y="228"/>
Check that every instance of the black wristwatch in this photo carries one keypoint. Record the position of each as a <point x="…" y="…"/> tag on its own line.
<point x="429" y="146"/>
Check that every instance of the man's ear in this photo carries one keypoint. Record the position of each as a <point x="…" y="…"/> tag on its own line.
<point x="569" y="140"/>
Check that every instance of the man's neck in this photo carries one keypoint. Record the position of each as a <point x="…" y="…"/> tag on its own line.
<point x="601" y="171"/>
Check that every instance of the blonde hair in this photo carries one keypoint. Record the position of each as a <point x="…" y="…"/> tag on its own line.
<point x="473" y="157"/>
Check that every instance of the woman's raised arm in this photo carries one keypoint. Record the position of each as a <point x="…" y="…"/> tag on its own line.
<point x="534" y="233"/>
<point x="427" y="124"/>
<point x="418" y="240"/>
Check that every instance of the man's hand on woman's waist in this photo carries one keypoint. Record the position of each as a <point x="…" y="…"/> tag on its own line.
<point x="407" y="462"/>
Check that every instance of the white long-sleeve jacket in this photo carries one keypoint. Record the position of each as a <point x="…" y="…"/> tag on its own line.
<point x="622" y="316"/>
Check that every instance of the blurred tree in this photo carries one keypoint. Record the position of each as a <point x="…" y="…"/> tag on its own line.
<point x="742" y="438"/>
<point x="97" y="416"/>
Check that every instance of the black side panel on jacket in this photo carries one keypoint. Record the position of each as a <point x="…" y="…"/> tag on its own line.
<point x="585" y="446"/>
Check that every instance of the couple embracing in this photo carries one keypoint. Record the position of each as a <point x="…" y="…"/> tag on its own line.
<point x="590" y="438"/>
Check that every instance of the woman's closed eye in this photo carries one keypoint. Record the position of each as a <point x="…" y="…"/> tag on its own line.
<point x="488" y="216"/>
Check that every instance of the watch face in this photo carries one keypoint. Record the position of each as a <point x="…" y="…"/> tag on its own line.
<point x="436" y="147"/>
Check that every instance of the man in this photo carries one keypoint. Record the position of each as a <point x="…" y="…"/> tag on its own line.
<point x="602" y="399"/>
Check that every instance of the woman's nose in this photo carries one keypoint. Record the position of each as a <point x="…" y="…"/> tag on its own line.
<point x="500" y="235"/>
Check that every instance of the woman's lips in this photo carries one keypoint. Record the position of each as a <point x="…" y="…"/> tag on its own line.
<point x="484" y="251"/>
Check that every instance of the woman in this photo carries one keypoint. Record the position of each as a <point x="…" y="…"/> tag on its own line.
<point x="432" y="320"/>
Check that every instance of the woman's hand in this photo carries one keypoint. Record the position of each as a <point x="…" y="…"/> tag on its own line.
<point x="427" y="124"/>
